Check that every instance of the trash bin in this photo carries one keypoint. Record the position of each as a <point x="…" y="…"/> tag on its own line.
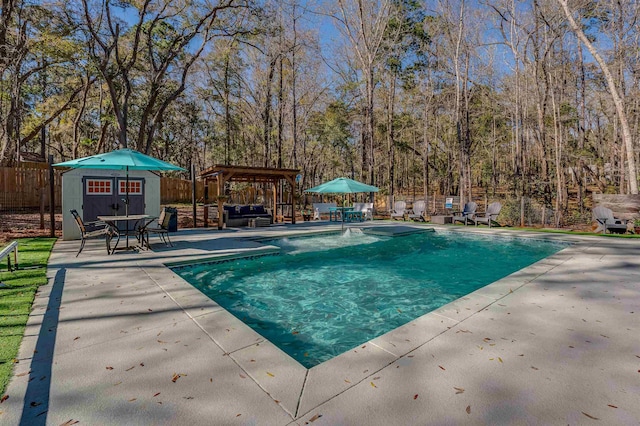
<point x="173" y="222"/>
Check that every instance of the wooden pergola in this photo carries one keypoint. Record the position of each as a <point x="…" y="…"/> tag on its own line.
<point x="221" y="174"/>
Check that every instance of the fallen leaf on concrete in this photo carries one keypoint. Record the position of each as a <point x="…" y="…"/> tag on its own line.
<point x="314" y="418"/>
<point x="156" y="394"/>
<point x="373" y="385"/>
<point x="442" y="368"/>
<point x="77" y="338"/>
<point x="270" y="375"/>
<point x="130" y="368"/>
<point x="132" y="399"/>
<point x="35" y="404"/>
<point x="242" y="376"/>
<point x="23" y="374"/>
<point x="612" y="406"/>
<point x="535" y="368"/>
<point x="415" y="396"/>
<point x="499" y="359"/>
<point x="468" y="409"/>
<point x="238" y="415"/>
<point x="346" y="381"/>
<point x="70" y="422"/>
<point x="458" y="390"/>
<point x="590" y="416"/>
<point x="176" y="376"/>
<point x="109" y="367"/>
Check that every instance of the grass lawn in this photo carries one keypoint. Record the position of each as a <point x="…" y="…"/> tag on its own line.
<point x="16" y="297"/>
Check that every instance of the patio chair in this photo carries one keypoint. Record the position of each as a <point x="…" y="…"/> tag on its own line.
<point x="102" y="229"/>
<point x="606" y="221"/>
<point x="418" y="211"/>
<point x="162" y="229"/>
<point x="366" y="209"/>
<point x="398" y="211"/>
<point x="489" y="217"/>
<point x="466" y="215"/>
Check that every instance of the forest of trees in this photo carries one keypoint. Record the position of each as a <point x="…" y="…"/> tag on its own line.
<point x="526" y="99"/>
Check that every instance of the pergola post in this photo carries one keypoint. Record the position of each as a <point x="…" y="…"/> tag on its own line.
<point x="219" y="193"/>
<point x="274" y="191"/>
<point x="292" y="183"/>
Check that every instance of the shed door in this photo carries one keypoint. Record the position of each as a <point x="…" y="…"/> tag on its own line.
<point x="136" y="195"/>
<point x="98" y="198"/>
<point x="101" y="196"/>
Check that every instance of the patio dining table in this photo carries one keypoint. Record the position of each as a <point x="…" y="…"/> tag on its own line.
<point x="333" y="212"/>
<point x="112" y="221"/>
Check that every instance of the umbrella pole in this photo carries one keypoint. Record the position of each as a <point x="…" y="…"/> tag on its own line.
<point x="126" y="204"/>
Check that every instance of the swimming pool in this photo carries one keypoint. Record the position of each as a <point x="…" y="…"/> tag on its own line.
<point x="327" y="294"/>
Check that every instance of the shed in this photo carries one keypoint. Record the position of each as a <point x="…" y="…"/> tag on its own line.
<point x="94" y="192"/>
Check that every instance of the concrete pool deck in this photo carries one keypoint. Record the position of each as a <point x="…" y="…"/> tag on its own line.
<point x="123" y="340"/>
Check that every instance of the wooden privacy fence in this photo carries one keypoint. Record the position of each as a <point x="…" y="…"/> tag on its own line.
<point x="174" y="190"/>
<point x="27" y="187"/>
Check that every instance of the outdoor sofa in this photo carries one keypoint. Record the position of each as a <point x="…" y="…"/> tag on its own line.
<point x="239" y="215"/>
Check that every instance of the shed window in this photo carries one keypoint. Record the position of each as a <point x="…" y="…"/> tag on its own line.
<point x="99" y="187"/>
<point x="135" y="187"/>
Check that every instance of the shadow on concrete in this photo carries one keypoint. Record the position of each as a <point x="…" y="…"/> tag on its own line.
<point x="36" y="399"/>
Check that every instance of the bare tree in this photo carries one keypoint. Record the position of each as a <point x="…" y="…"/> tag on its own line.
<point x="617" y="98"/>
<point x="364" y="24"/>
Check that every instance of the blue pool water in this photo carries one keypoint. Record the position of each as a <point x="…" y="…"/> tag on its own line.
<point x="325" y="295"/>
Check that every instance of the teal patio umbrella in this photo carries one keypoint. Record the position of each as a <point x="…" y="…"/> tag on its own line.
<point x="121" y="159"/>
<point x="342" y="186"/>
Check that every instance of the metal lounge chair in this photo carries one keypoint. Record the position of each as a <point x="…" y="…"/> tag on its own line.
<point x="466" y="215"/>
<point x="606" y="221"/>
<point x="398" y="211"/>
<point x="162" y="229"/>
<point x="103" y="229"/>
<point x="489" y="217"/>
<point x="418" y="211"/>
